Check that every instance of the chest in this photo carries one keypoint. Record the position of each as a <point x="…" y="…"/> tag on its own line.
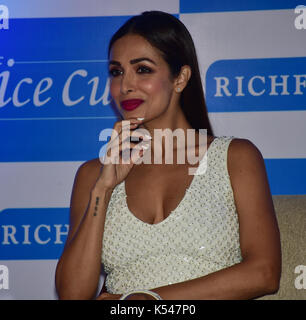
<point x="152" y="194"/>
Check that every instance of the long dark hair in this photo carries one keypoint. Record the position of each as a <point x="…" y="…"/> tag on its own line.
<point x="169" y="35"/>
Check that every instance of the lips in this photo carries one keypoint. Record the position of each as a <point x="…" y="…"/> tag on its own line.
<point x="131" y="104"/>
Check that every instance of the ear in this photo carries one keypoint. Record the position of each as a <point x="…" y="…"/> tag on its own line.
<point x="182" y="79"/>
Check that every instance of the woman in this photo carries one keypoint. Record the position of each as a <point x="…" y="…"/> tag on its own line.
<point x="170" y="234"/>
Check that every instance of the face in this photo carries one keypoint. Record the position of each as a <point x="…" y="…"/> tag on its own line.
<point x="141" y="83"/>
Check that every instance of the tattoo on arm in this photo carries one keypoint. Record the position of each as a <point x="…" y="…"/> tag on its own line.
<point x="96" y="206"/>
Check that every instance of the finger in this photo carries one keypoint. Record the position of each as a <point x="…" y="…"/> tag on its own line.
<point x="116" y="131"/>
<point x="131" y="152"/>
<point x="126" y="152"/>
<point x="120" y="129"/>
<point x="127" y="123"/>
<point x="121" y="132"/>
<point x="138" y="152"/>
<point x="119" y="153"/>
<point x="137" y="156"/>
<point x="128" y="137"/>
<point x="141" y="133"/>
<point x="102" y="296"/>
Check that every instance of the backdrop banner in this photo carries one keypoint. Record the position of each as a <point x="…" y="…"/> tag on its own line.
<point x="55" y="101"/>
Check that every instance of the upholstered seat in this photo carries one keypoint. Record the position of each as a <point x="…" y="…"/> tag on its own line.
<point x="291" y="216"/>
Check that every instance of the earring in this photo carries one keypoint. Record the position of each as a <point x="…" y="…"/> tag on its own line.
<point x="178" y="89"/>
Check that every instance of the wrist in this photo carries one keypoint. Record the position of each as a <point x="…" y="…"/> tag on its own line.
<point x="103" y="192"/>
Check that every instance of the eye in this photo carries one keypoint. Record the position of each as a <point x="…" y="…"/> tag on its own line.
<point x="144" y="69"/>
<point x="114" y="72"/>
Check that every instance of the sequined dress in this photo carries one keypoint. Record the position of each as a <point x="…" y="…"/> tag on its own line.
<point x="199" y="237"/>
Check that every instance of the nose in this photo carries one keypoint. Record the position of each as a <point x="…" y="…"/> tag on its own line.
<point x="127" y="83"/>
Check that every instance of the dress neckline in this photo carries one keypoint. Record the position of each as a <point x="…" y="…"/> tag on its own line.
<point x="175" y="210"/>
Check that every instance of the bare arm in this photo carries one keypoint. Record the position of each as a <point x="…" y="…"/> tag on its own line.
<point x="259" y="272"/>
<point x="78" y="270"/>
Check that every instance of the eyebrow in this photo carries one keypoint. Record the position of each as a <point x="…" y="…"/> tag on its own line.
<point x="133" y="61"/>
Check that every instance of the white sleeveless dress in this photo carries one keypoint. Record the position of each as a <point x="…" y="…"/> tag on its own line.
<point x="199" y="237"/>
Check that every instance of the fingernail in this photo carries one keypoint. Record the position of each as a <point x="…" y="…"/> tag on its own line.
<point x="148" y="137"/>
<point x="140" y="118"/>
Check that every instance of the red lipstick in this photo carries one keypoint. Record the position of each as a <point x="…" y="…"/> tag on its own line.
<point x="131" y="104"/>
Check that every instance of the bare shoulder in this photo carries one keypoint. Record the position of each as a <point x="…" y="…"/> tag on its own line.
<point x="243" y="154"/>
<point x="246" y="168"/>
<point x="243" y="148"/>
<point x="248" y="177"/>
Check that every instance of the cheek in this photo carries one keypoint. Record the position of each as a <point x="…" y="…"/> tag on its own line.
<point x="156" y="88"/>
<point x="114" y="88"/>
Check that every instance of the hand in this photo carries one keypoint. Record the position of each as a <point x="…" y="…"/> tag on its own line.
<point x="108" y="296"/>
<point x="115" y="168"/>
<point x="140" y="296"/>
<point x="136" y="296"/>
